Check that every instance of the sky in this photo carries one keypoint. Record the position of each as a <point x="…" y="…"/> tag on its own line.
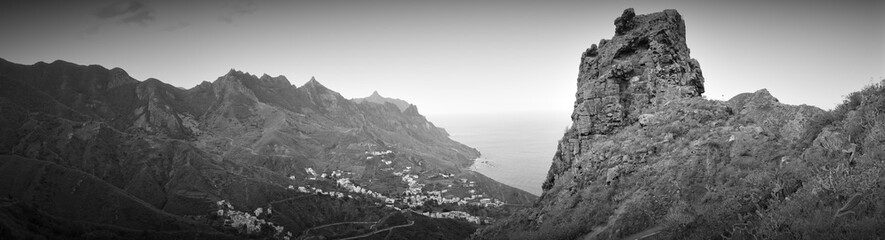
<point x="452" y="57"/>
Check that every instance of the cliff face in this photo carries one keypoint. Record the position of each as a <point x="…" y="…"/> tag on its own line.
<point x="645" y="64"/>
<point x="646" y="155"/>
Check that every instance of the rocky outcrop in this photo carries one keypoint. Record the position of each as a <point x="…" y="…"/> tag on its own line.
<point x="646" y="156"/>
<point x="645" y="64"/>
<point x="787" y="121"/>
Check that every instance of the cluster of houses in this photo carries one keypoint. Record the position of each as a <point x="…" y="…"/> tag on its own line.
<point x="413" y="197"/>
<point x="465" y="183"/>
<point x="373" y="154"/>
<point x="347" y="184"/>
<point x="418" y="200"/>
<point x="314" y="175"/>
<point x="379" y="153"/>
<point x="458" y="215"/>
<point x="248" y="223"/>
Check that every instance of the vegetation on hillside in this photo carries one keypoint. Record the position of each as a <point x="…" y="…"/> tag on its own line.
<point x="749" y="168"/>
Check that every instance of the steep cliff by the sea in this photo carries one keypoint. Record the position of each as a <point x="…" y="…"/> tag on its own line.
<point x="647" y="156"/>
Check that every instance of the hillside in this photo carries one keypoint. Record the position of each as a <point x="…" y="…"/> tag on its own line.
<point x="219" y="157"/>
<point x="647" y="157"/>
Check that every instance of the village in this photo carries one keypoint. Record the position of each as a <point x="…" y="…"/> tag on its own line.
<point x="459" y="191"/>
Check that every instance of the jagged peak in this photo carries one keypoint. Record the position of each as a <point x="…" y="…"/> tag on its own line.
<point x="235" y="72"/>
<point x="235" y="75"/>
<point x="645" y="49"/>
<point x="313" y="83"/>
<point x="402" y="105"/>
<point x="279" y="80"/>
<point x="315" y="86"/>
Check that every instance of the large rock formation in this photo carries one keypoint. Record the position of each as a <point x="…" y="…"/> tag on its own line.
<point x="647" y="156"/>
<point x="645" y="64"/>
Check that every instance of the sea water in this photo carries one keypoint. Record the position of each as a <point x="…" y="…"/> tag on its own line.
<point x="517" y="148"/>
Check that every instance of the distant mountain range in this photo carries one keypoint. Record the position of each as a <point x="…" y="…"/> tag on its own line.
<point x="89" y="152"/>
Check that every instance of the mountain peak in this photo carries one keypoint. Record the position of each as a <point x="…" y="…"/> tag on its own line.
<point x="377" y="98"/>
<point x="278" y="81"/>
<point x="646" y="63"/>
<point x="236" y="74"/>
<point x="313" y="82"/>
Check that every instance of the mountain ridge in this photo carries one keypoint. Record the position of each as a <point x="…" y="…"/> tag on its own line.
<point x="241" y="139"/>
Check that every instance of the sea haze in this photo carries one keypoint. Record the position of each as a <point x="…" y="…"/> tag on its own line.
<point x="516" y="148"/>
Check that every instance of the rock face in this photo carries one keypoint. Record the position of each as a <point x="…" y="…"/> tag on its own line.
<point x="645" y="64"/>
<point x="647" y="156"/>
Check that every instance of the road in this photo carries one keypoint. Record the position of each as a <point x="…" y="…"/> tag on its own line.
<point x="333" y="224"/>
<point x="380" y="230"/>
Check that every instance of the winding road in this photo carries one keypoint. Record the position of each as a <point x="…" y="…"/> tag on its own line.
<point x="380" y="230"/>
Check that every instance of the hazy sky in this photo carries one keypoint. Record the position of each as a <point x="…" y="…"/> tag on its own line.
<point x="452" y="56"/>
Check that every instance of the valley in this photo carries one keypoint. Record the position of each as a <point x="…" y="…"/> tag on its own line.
<point x="243" y="156"/>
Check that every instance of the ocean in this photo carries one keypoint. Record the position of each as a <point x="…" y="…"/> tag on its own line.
<point x="517" y="148"/>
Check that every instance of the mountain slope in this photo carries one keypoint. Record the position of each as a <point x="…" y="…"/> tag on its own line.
<point x="647" y="157"/>
<point x="244" y="140"/>
<point x="70" y="193"/>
